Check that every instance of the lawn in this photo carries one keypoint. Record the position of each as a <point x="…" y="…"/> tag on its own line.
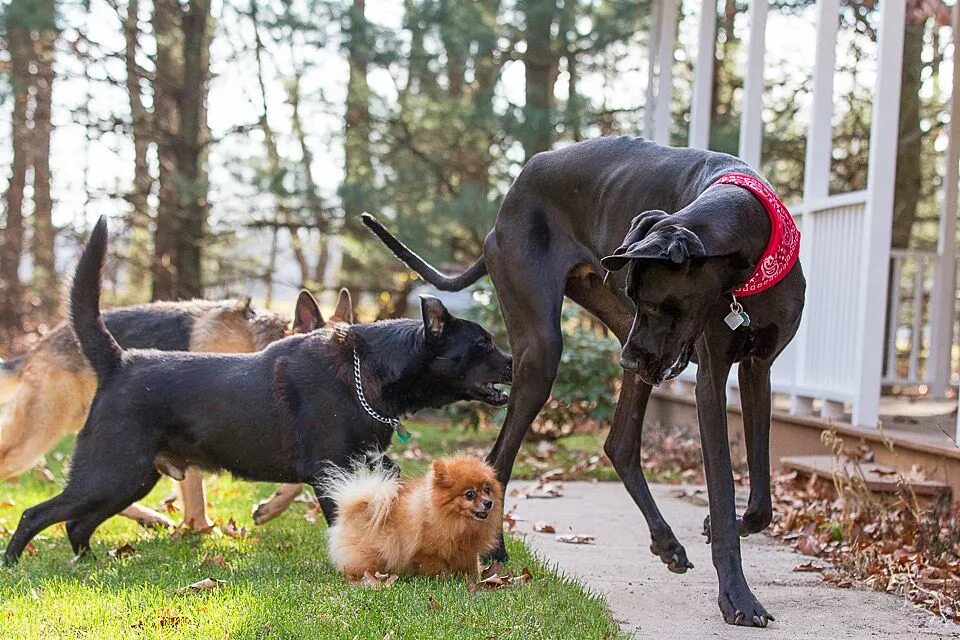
<point x="277" y="582"/>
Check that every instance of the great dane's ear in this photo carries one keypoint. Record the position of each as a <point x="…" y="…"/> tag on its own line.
<point x="670" y="243"/>
<point x="306" y="316"/>
<point x="435" y="316"/>
<point x="344" y="309"/>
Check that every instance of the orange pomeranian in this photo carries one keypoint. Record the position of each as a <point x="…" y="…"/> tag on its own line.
<point x="436" y="524"/>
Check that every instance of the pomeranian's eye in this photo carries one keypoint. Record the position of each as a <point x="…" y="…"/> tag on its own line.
<point x="471" y="494"/>
<point x="486" y="489"/>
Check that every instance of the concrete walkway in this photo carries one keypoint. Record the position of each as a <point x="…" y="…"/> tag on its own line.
<point x="651" y="602"/>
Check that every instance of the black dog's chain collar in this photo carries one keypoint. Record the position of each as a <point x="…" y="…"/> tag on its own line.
<point x="397" y="426"/>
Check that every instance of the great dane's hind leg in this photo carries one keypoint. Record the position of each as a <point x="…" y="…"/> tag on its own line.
<point x="737" y="603"/>
<point x="531" y="300"/>
<point x="623" y="448"/>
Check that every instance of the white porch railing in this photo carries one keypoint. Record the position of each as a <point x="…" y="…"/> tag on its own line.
<point x="911" y="323"/>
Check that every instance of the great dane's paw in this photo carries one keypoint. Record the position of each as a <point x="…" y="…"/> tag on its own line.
<point x="672" y="554"/>
<point x="746" y="525"/>
<point x="739" y="607"/>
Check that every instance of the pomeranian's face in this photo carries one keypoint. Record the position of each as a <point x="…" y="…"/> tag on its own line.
<point x="467" y="487"/>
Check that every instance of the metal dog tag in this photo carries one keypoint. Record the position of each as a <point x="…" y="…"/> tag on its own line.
<point x="737" y="317"/>
<point x="734" y="319"/>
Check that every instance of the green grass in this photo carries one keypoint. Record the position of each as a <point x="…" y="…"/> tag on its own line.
<point x="279" y="583"/>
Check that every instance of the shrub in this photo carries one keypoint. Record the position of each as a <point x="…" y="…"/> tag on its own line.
<point x="584" y="394"/>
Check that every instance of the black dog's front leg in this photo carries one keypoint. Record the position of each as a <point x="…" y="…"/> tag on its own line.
<point x="623" y="448"/>
<point x="737" y="603"/>
<point x="755" y="404"/>
<point x="755" y="401"/>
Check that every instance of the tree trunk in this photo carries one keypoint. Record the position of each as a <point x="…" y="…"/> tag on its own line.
<point x="540" y="61"/>
<point x="190" y="149"/>
<point x="45" y="282"/>
<point x="910" y="145"/>
<point x="18" y="44"/>
<point x="166" y="120"/>
<point x="357" y="134"/>
<point x="140" y="119"/>
<point x="180" y="90"/>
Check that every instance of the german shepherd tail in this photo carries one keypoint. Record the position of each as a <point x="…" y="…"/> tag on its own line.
<point x="10" y="374"/>
<point x="97" y="343"/>
<point x="441" y="281"/>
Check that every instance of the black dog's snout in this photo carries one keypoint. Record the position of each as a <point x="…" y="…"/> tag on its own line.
<point x="488" y="504"/>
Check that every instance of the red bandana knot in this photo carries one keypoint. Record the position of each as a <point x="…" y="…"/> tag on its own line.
<point x="784" y="245"/>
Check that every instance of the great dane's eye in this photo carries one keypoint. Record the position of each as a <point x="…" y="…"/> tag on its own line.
<point x="471" y="494"/>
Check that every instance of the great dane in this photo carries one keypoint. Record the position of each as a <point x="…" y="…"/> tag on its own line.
<point x="680" y="267"/>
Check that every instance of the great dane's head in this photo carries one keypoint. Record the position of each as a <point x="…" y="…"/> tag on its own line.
<point x="675" y="276"/>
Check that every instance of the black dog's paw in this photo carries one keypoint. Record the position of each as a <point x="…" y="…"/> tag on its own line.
<point x="739" y="607"/>
<point x="672" y="554"/>
<point x="497" y="554"/>
<point x="9" y="560"/>
<point x="746" y="525"/>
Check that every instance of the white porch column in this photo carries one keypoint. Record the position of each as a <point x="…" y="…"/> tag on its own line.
<point x="882" y="170"/>
<point x="751" y="120"/>
<point x="665" y="25"/>
<point x="653" y="42"/>
<point x="703" y="77"/>
<point x="816" y="175"/>
<point x="943" y="296"/>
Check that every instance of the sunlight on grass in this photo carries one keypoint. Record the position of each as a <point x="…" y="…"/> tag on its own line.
<point x="278" y="582"/>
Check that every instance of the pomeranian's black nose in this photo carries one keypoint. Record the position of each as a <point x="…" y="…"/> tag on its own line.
<point x="488" y="504"/>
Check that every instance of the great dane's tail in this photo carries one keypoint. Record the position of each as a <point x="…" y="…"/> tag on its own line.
<point x="443" y="282"/>
<point x="97" y="343"/>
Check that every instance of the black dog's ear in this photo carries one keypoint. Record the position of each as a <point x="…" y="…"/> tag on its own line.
<point x="435" y="316"/>
<point x="344" y="309"/>
<point x="307" y="316"/>
<point x="671" y="243"/>
<point x="639" y="227"/>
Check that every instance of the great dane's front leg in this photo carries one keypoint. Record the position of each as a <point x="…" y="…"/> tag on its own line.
<point x="755" y="400"/>
<point x="755" y="404"/>
<point x="623" y="448"/>
<point x="737" y="603"/>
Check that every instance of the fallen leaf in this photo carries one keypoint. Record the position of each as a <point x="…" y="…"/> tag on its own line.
<point x="7" y="503"/>
<point x="207" y="584"/>
<point x="169" y="618"/>
<point x="576" y="538"/>
<point x="808" y="567"/>
<point x="216" y="560"/>
<point x="231" y="529"/>
<point x="434" y="604"/>
<point x="373" y="579"/>
<point x="495" y="568"/>
<point x="809" y="545"/>
<point x="544" y="527"/>
<point x="122" y="551"/>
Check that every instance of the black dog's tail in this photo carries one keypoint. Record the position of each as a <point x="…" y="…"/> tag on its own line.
<point x="96" y="342"/>
<point x="443" y="282"/>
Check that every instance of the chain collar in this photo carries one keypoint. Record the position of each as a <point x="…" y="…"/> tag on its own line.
<point x="394" y="423"/>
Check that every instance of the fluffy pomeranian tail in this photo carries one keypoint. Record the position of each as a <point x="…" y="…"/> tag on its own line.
<point x="97" y="343"/>
<point x="364" y="496"/>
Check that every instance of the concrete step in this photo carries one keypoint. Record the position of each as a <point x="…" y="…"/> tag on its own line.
<point x="878" y="478"/>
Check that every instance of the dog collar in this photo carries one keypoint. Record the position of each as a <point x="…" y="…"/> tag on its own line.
<point x="394" y="423"/>
<point x="784" y="245"/>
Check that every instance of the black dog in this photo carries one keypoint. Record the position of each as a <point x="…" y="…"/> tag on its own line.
<point x="281" y="415"/>
<point x="565" y="212"/>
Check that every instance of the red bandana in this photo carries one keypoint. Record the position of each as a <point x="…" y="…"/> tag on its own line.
<point x="784" y="246"/>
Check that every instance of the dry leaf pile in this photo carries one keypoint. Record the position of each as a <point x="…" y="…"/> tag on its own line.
<point x="893" y="543"/>
<point x="494" y="578"/>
